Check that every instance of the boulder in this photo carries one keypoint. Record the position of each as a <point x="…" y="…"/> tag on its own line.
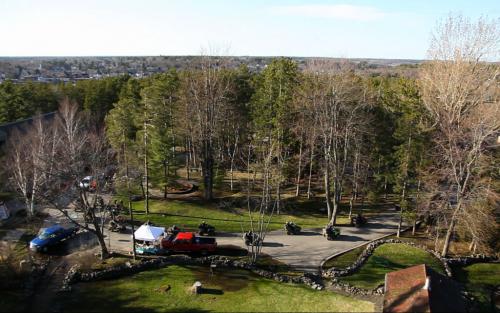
<point x="196" y="288"/>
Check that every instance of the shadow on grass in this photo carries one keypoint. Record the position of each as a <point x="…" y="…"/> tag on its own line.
<point x="211" y="291"/>
<point x="187" y="310"/>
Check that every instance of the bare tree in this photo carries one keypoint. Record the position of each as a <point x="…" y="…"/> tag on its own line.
<point x="460" y="90"/>
<point x="26" y="151"/>
<point x="337" y="98"/>
<point x="207" y="89"/>
<point x="81" y="150"/>
<point x="261" y="214"/>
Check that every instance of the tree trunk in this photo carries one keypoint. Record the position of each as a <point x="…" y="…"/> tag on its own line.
<point x="231" y="175"/>
<point x="188" y="159"/>
<point x="472" y="244"/>
<point x="132" y="225"/>
<point x="400" y="221"/>
<point x="336" y="201"/>
<point x="436" y="241"/>
<point x="401" y="209"/>
<point x="146" y="183"/>
<point x="208" y="169"/>
<point x="416" y="208"/>
<point x="232" y="162"/>
<point x="447" y="239"/>
<point x="297" y="191"/>
<point x="165" y="177"/>
<point x="104" y="249"/>
<point x="350" y="205"/>
<point x="327" y="191"/>
<point x="385" y="188"/>
<point x="142" y="189"/>
<point x="100" y="238"/>
<point x="278" y="195"/>
<point x="310" y="174"/>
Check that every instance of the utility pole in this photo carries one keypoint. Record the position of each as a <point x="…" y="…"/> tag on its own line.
<point x="132" y="223"/>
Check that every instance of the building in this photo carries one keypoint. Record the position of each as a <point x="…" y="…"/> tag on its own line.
<point x="7" y="128"/>
<point x="421" y="289"/>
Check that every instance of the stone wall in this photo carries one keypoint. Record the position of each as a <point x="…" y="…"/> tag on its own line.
<point x="75" y="275"/>
<point x="370" y="248"/>
<point x="312" y="280"/>
<point x="469" y="260"/>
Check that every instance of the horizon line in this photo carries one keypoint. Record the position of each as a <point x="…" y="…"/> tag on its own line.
<point x="198" y="55"/>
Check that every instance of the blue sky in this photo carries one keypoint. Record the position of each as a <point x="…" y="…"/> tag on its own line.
<point x="354" y="29"/>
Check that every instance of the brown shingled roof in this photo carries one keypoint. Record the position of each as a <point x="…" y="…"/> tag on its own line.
<point x="406" y="291"/>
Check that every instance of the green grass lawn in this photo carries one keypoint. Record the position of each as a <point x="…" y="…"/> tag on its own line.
<point x="346" y="259"/>
<point x="480" y="279"/>
<point x="226" y="291"/>
<point x="189" y="214"/>
<point x="387" y="258"/>
<point x="487" y="274"/>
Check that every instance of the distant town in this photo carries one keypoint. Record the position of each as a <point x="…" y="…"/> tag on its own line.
<point x="71" y="69"/>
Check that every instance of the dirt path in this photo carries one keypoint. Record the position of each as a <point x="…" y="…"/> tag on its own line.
<point x="47" y="295"/>
<point x="45" y="298"/>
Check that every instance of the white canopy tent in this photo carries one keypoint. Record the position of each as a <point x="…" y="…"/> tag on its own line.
<point x="149" y="233"/>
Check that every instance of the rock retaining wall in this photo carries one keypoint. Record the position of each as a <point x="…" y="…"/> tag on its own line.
<point x="370" y="248"/>
<point x="75" y="275"/>
<point x="312" y="280"/>
<point x="469" y="260"/>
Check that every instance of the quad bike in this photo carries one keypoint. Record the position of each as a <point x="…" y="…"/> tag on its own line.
<point x="205" y="229"/>
<point x="358" y="220"/>
<point x="330" y="232"/>
<point x="292" y="229"/>
<point x="252" y="239"/>
<point x="116" y="226"/>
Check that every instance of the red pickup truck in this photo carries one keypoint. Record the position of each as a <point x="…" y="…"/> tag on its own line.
<point x="188" y="242"/>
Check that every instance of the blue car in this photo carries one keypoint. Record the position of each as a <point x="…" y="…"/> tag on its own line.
<point x="51" y="236"/>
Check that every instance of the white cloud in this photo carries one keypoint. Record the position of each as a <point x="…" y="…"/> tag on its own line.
<point x="334" y="11"/>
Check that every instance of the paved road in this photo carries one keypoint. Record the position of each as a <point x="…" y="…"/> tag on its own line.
<point x="306" y="251"/>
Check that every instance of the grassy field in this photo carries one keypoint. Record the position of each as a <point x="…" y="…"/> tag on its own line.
<point x="480" y="279"/>
<point x="387" y="258"/>
<point x="226" y="291"/>
<point x="344" y="260"/>
<point x="189" y="214"/>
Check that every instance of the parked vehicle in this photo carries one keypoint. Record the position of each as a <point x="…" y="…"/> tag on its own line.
<point x="148" y="250"/>
<point x="292" y="229"/>
<point x="51" y="236"/>
<point x="358" y="220"/>
<point x="116" y="226"/>
<point x="252" y="239"/>
<point x="331" y="232"/>
<point x="88" y="183"/>
<point x="188" y="242"/>
<point x="205" y="229"/>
